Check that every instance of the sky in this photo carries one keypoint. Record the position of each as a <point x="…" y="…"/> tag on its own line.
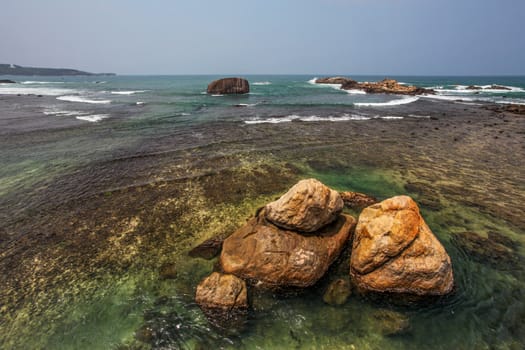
<point x="390" y="37"/>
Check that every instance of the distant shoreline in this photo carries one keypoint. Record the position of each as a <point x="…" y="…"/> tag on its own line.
<point x="12" y="69"/>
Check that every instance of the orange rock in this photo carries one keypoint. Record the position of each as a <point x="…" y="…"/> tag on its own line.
<point x="395" y="251"/>
<point x="222" y="292"/>
<point x="273" y="257"/>
<point x="307" y="206"/>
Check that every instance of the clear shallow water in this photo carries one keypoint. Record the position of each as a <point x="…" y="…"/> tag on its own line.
<point x="92" y="209"/>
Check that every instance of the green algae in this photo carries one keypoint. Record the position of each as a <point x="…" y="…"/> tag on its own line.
<point x="89" y="278"/>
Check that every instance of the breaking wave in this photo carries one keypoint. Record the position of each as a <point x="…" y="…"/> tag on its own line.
<point x="73" y="98"/>
<point x="401" y="101"/>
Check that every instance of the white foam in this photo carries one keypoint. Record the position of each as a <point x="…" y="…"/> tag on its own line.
<point x="217" y="95"/>
<point x="390" y="117"/>
<point x="29" y="82"/>
<point x="514" y="102"/>
<point x="448" y="97"/>
<point x="62" y="113"/>
<point x="262" y="83"/>
<point x="139" y="103"/>
<point x="344" y="117"/>
<point x="356" y="92"/>
<point x="131" y="92"/>
<point x="93" y="118"/>
<point x="312" y="81"/>
<point x="397" y="102"/>
<point x="311" y="118"/>
<point x="272" y="120"/>
<point x="456" y="91"/>
<point x="11" y="90"/>
<point x="74" y="98"/>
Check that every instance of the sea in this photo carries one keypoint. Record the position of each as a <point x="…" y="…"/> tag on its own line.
<point x="106" y="181"/>
<point x="272" y="99"/>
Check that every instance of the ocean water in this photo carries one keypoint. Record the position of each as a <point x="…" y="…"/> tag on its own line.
<point x="272" y="99"/>
<point x="104" y="180"/>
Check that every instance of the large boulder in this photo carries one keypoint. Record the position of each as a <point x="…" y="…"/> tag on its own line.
<point x="395" y="251"/>
<point x="271" y="257"/>
<point x="220" y="291"/>
<point x="7" y="81"/>
<point x="229" y="86"/>
<point x="307" y="206"/>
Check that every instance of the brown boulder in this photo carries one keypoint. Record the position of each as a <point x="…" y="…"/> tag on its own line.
<point x="229" y="86"/>
<point x="307" y="206"/>
<point x="335" y="80"/>
<point x="395" y="251"/>
<point x="356" y="200"/>
<point x="272" y="257"/>
<point x="220" y="291"/>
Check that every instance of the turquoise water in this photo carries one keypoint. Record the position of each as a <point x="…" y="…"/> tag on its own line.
<point x="97" y="192"/>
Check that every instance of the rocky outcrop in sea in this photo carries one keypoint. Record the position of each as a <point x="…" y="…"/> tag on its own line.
<point x="229" y="86"/>
<point x="385" y="86"/>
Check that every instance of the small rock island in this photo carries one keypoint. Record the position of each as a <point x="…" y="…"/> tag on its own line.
<point x="385" y="86"/>
<point x="228" y="86"/>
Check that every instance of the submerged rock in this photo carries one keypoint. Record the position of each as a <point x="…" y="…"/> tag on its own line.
<point x="356" y="200"/>
<point x="337" y="292"/>
<point x="391" y="323"/>
<point x="272" y="257"/>
<point x="494" y="251"/>
<point x="395" y="251"/>
<point x="307" y="206"/>
<point x="208" y="249"/>
<point x="229" y="86"/>
<point x="168" y="271"/>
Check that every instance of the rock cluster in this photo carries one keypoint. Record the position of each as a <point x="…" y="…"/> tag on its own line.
<point x="385" y="86"/>
<point x="291" y="243"/>
<point x="229" y="86"/>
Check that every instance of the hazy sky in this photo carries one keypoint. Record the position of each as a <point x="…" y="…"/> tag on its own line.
<point x="425" y="37"/>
